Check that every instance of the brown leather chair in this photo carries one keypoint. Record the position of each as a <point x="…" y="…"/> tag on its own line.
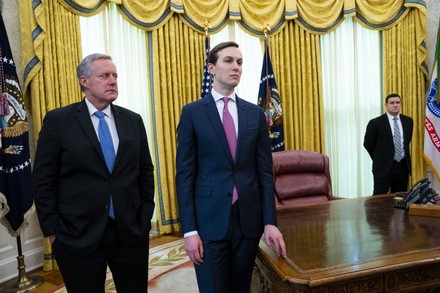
<point x="301" y="178"/>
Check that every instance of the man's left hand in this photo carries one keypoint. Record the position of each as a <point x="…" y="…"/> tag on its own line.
<point x="274" y="239"/>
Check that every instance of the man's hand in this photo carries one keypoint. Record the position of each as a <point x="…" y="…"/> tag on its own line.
<point x="194" y="248"/>
<point x="274" y="239"/>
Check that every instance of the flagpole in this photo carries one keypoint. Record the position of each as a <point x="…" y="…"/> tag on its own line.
<point x="266" y="52"/>
<point x="23" y="283"/>
<point x="266" y="29"/>
<point x="207" y="80"/>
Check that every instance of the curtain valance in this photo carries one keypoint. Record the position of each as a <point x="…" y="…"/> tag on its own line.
<point x="317" y="17"/>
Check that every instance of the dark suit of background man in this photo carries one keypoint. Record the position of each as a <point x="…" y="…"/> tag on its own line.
<point x="222" y="238"/>
<point x="74" y="188"/>
<point x="389" y="173"/>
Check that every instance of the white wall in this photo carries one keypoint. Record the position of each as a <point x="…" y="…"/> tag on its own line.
<point x="31" y="239"/>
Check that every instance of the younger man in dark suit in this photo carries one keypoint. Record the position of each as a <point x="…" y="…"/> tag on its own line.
<point x="224" y="153"/>
<point x="94" y="186"/>
<point x="387" y="141"/>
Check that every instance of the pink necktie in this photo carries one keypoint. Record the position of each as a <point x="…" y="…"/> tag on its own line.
<point x="228" y="125"/>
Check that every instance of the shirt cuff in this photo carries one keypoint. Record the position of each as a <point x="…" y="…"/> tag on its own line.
<point x="191" y="233"/>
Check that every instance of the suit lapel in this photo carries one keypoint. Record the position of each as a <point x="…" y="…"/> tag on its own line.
<point x="121" y="127"/>
<point x="85" y="121"/>
<point x="386" y="124"/>
<point x="242" y="113"/>
<point x="405" y="127"/>
<point x="214" y="118"/>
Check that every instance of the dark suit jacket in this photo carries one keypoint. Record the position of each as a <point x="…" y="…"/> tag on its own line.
<point x="379" y="143"/>
<point x="72" y="185"/>
<point x="206" y="172"/>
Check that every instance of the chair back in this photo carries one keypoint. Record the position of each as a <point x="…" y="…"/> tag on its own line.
<point x="301" y="178"/>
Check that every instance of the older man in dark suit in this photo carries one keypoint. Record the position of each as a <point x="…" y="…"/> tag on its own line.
<point x="94" y="185"/>
<point x="387" y="141"/>
<point x="224" y="180"/>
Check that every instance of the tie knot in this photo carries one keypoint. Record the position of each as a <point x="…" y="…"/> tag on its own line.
<point x="99" y="114"/>
<point x="395" y="118"/>
<point x="226" y="100"/>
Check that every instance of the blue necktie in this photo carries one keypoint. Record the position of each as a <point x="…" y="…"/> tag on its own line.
<point x="107" y="148"/>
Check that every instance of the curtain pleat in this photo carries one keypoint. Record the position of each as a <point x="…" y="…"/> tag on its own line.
<point x="213" y="13"/>
<point x="85" y="7"/>
<point x="176" y="55"/>
<point x="299" y="82"/>
<point x="51" y="67"/>
<point x="316" y="16"/>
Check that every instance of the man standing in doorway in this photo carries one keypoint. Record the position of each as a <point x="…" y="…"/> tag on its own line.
<point x="387" y="141"/>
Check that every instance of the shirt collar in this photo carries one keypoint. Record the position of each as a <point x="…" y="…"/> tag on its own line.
<point x="218" y="96"/>
<point x="92" y="109"/>
<point x="391" y="117"/>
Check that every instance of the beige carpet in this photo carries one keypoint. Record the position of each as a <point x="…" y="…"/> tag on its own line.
<point x="169" y="270"/>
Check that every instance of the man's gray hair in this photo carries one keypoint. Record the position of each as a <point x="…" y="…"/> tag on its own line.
<point x="85" y="68"/>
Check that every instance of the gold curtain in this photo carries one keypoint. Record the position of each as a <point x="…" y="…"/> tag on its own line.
<point x="177" y="55"/>
<point x="51" y="51"/>
<point x="403" y="73"/>
<point x="86" y="7"/>
<point x="318" y="17"/>
<point x="300" y="86"/>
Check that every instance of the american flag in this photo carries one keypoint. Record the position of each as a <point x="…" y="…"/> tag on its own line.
<point x="16" y="199"/>
<point x="269" y="99"/>
<point x="207" y="82"/>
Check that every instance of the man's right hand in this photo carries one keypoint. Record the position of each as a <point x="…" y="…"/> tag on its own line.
<point x="194" y="248"/>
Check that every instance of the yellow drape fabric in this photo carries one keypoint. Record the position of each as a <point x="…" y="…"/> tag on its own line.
<point x="52" y="46"/>
<point x="316" y="16"/>
<point x="51" y="51"/>
<point x="86" y="7"/>
<point x="33" y="27"/>
<point x="300" y="86"/>
<point x="214" y="13"/>
<point x="148" y="16"/>
<point x="321" y="16"/>
<point x="257" y="14"/>
<point x="177" y="55"/>
<point x="403" y="74"/>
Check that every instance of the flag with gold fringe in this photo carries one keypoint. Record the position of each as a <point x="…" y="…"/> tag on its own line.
<point x="432" y="118"/>
<point x="269" y="99"/>
<point x="207" y="81"/>
<point x="16" y="197"/>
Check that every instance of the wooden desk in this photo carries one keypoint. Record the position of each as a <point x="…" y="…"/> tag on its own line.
<point x="352" y="245"/>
